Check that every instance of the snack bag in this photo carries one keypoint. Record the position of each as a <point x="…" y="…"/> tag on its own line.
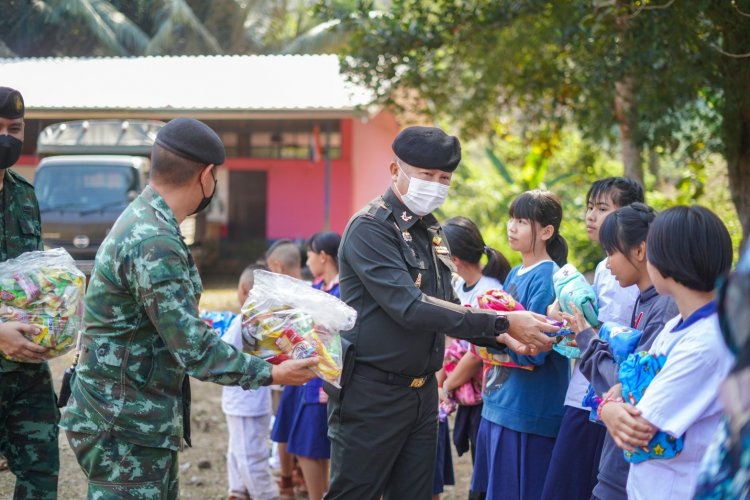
<point x="44" y="288"/>
<point x="571" y="286"/>
<point x="622" y="343"/>
<point x="285" y="318"/>
<point x="497" y="300"/>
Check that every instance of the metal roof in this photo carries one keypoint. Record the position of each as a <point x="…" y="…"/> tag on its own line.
<point x="169" y="86"/>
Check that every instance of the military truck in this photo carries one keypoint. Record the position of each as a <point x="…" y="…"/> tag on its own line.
<point x="90" y="171"/>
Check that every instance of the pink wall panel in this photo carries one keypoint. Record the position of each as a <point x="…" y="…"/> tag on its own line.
<point x="371" y="155"/>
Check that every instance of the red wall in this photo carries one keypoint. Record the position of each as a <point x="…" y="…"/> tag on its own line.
<point x="295" y="191"/>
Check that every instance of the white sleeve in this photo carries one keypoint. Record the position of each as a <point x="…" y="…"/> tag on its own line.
<point x="233" y="335"/>
<point x="615" y="302"/>
<point x="687" y="386"/>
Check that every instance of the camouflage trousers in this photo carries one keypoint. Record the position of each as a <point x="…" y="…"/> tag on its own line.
<point x="28" y="429"/>
<point x="117" y="469"/>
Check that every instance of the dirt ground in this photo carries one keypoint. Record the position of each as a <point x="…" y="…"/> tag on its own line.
<point x="202" y="467"/>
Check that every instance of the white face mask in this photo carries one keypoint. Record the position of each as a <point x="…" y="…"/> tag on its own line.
<point x="423" y="197"/>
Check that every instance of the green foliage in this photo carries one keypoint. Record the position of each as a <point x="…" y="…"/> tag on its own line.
<point x="45" y="28"/>
<point x="567" y="163"/>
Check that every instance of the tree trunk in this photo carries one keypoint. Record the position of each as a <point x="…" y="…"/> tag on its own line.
<point x="624" y="111"/>
<point x="735" y="82"/>
<point x="738" y="165"/>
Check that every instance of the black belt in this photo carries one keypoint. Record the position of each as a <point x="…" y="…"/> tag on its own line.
<point x="378" y="375"/>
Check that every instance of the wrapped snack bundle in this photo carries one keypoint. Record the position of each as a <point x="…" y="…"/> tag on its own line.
<point x="497" y="300"/>
<point x="636" y="373"/>
<point x="285" y="318"/>
<point x="44" y="289"/>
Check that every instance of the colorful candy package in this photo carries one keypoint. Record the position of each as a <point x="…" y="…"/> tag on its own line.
<point x="285" y="318"/>
<point x="44" y="289"/>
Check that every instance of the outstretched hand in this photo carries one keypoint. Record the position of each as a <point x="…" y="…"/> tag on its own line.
<point x="14" y="344"/>
<point x="294" y="371"/>
<point x="530" y="329"/>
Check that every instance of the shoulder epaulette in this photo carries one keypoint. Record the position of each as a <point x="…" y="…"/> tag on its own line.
<point x="378" y="209"/>
<point x="20" y="179"/>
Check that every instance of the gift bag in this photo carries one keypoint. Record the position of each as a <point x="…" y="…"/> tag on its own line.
<point x="44" y="288"/>
<point x="636" y="373"/>
<point x="622" y="342"/>
<point x="572" y="287"/>
<point x="218" y="321"/>
<point x="285" y="318"/>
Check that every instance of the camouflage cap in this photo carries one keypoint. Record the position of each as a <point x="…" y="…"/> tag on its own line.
<point x="11" y="103"/>
<point x="193" y="140"/>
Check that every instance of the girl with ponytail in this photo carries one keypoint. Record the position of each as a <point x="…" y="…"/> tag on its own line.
<point x="523" y="409"/>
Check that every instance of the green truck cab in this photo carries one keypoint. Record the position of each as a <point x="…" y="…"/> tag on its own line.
<point x="90" y="171"/>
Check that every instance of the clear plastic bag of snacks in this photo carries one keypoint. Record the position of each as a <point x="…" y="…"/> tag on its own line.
<point x="285" y="318"/>
<point x="44" y="289"/>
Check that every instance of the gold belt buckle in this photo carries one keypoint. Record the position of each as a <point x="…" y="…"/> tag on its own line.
<point x="416" y="383"/>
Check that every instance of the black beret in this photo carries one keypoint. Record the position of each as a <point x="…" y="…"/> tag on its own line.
<point x="428" y="147"/>
<point x="11" y="103"/>
<point x="191" y="139"/>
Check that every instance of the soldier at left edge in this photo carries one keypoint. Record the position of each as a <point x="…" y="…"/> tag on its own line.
<point x="28" y="406"/>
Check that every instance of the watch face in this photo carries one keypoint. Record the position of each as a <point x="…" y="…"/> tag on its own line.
<point x="501" y="324"/>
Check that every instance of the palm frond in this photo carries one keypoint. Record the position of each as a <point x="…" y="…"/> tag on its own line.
<point x="178" y="13"/>
<point x="326" y="37"/>
<point x="85" y="11"/>
<point x="126" y="30"/>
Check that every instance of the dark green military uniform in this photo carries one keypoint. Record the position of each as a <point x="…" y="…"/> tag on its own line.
<point x="395" y="270"/>
<point x="28" y="409"/>
<point x="143" y="335"/>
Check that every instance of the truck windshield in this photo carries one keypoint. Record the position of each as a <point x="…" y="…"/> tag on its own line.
<point x="84" y="187"/>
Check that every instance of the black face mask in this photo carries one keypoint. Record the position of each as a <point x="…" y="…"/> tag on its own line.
<point x="206" y="199"/>
<point x="10" y="151"/>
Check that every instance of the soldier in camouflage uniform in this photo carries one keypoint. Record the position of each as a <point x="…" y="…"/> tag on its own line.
<point x="129" y="408"/>
<point x="28" y="409"/>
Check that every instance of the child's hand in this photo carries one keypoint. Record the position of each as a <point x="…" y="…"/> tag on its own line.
<point x="514" y="345"/>
<point x="576" y="320"/>
<point x="553" y="311"/>
<point x="626" y="426"/>
<point x="614" y="392"/>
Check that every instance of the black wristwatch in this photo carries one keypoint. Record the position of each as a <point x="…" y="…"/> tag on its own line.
<point x="501" y="324"/>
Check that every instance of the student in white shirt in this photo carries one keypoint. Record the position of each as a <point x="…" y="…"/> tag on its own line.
<point x="688" y="249"/>
<point x="248" y="416"/>
<point x="572" y="480"/>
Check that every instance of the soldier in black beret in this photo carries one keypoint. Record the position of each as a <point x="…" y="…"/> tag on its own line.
<point x="395" y="270"/>
<point x="28" y="412"/>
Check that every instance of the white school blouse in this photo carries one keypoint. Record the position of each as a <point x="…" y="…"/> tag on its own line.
<point x="615" y="304"/>
<point x="682" y="399"/>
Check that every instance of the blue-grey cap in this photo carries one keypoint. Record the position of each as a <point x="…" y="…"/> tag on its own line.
<point x="193" y="140"/>
<point x="428" y="147"/>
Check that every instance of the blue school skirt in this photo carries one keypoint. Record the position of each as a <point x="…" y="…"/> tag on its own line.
<point x="510" y="464"/>
<point x="282" y="424"/>
<point x="575" y="460"/>
<point x="308" y="434"/>
<point x="443" y="460"/>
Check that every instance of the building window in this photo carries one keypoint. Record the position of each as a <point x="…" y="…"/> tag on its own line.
<point x="295" y="140"/>
<point x="231" y="142"/>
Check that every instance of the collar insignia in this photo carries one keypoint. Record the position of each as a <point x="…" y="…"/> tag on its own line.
<point x="406" y="218"/>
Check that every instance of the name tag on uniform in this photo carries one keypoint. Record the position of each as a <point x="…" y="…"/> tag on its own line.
<point x="441" y="250"/>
